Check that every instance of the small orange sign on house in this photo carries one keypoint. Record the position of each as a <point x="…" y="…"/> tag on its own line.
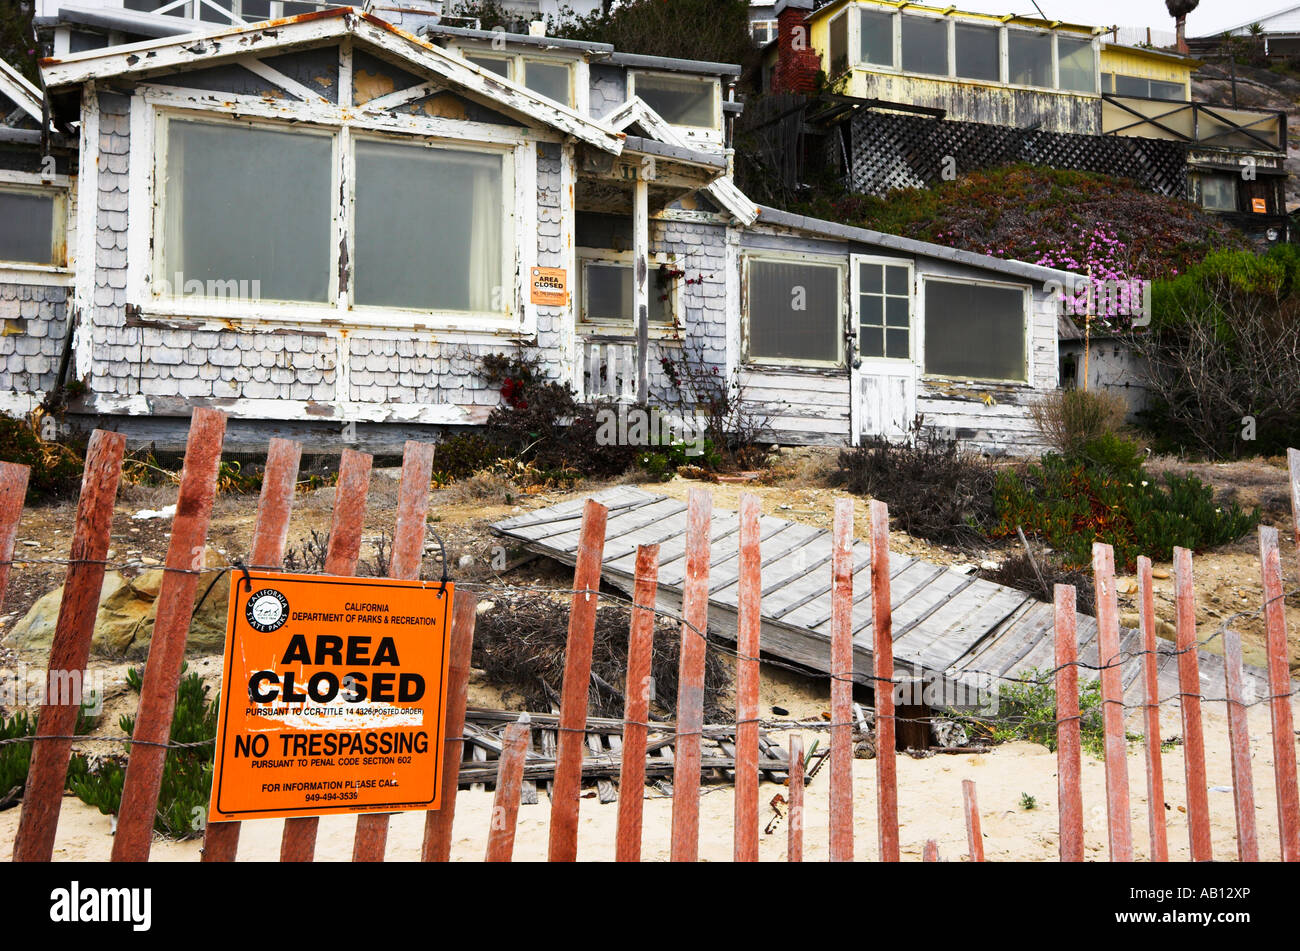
<point x="333" y="696"/>
<point x="1259" y="206"/>
<point x="549" y="286"/>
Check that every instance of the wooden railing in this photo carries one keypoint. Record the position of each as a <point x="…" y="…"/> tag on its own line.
<point x="1195" y="123"/>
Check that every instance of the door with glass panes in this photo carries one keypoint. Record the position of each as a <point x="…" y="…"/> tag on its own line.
<point x="884" y="368"/>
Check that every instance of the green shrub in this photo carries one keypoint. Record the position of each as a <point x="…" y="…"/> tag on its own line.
<point x="1220" y="355"/>
<point x="1071" y="504"/>
<point x="16" y="758"/>
<point x="1114" y="453"/>
<point x="1071" y="419"/>
<point x="1027" y="711"/>
<point x="55" y="468"/>
<point x="187" y="771"/>
<point x="462" y="455"/>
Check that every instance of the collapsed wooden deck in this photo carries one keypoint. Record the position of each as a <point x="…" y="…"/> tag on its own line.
<point x="950" y="629"/>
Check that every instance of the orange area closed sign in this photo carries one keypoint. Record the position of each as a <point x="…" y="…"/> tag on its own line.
<point x="549" y="286"/>
<point x="333" y="696"/>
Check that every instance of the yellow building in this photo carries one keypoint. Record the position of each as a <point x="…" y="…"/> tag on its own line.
<point x="1007" y="70"/>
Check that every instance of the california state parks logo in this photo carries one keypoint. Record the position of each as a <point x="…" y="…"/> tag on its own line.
<point x="267" y="610"/>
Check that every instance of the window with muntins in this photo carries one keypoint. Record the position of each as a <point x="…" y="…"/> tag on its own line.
<point x="884" y="310"/>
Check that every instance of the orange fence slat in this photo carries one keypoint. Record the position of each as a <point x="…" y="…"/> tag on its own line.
<point x="1151" y="715"/>
<point x="1189" y="688"/>
<point x="438" y="822"/>
<point x="1279" y="688"/>
<point x="636" y="705"/>
<point x="505" y="804"/>
<point x="883" y="651"/>
<point x="274" y="506"/>
<point x="1243" y="783"/>
<point x="162" y="672"/>
<point x="70" y="648"/>
<point x="298" y="841"/>
<point x="371" y="837"/>
<point x="1115" y="739"/>
<point x="567" y="786"/>
<point x="1068" y="728"/>
<point x="13" y="490"/>
<point x="749" y="622"/>
<point x="971" y="806"/>
<point x="690" y="681"/>
<point x="841" y="819"/>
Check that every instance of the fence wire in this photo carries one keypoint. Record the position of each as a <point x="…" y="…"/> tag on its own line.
<point x="713" y="643"/>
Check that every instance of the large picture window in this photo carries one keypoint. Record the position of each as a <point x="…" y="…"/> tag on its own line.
<point x="31" y="226"/>
<point x="1029" y="58"/>
<point x="978" y="52"/>
<point x="230" y="222"/>
<point x="925" y="45"/>
<point x="1078" y="65"/>
<point x="876" y="38"/>
<point x="428" y="227"/>
<point x="975" y="331"/>
<point x="794" y="311"/>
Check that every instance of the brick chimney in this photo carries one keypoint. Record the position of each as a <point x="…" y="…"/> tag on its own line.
<point x="797" y="63"/>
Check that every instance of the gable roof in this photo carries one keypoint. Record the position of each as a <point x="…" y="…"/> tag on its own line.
<point x="635" y="112"/>
<point x="208" y="48"/>
<point x="15" y="86"/>
<point x="1288" y="26"/>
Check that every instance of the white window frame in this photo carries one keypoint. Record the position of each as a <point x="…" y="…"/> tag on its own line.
<point x="511" y="65"/>
<point x="817" y="260"/>
<point x="579" y="94"/>
<point x="60" y="188"/>
<point x="855" y="298"/>
<point x="898" y="42"/>
<point x="160" y="280"/>
<point x="1053" y="68"/>
<point x="769" y="28"/>
<point x="508" y="242"/>
<point x="1096" y="62"/>
<point x="920" y="323"/>
<point x="1001" y="33"/>
<point x="623" y="328"/>
<point x="146" y="216"/>
<point x="712" y="134"/>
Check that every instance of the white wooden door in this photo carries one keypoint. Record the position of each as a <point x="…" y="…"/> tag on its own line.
<point x="882" y="292"/>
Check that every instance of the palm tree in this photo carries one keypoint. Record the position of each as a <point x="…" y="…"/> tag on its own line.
<point x="1178" y="9"/>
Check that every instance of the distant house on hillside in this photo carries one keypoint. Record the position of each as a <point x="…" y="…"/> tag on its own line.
<point x="916" y="86"/>
<point x="1279" y="32"/>
<point x="325" y="224"/>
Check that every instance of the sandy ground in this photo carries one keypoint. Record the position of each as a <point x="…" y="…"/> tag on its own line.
<point x="930" y="807"/>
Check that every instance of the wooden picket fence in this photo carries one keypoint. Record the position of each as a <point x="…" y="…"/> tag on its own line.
<point x="88" y="560"/>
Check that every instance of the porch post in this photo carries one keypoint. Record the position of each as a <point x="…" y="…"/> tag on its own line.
<point x="641" y="282"/>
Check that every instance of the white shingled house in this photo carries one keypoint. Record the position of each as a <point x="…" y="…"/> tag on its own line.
<point x="326" y="221"/>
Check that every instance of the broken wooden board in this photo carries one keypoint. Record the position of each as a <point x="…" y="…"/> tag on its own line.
<point x="603" y="760"/>
<point x="951" y="630"/>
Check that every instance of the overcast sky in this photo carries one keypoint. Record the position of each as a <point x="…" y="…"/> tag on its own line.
<point x="1212" y="16"/>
